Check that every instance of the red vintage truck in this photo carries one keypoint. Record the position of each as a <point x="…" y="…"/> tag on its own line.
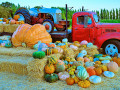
<point x="86" y="26"/>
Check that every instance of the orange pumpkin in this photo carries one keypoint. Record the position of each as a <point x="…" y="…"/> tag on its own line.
<point x="16" y="22"/>
<point x="12" y="21"/>
<point x="103" y="67"/>
<point x="70" y="81"/>
<point x="117" y="60"/>
<point x="49" y="68"/>
<point x="29" y="35"/>
<point x="4" y="19"/>
<point x="21" y="22"/>
<point x="90" y="71"/>
<point x="16" y="17"/>
<point x="98" y="71"/>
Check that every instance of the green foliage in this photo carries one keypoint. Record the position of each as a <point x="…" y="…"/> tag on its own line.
<point x="113" y="14"/>
<point x="4" y="12"/>
<point x="110" y="21"/>
<point x="116" y="13"/>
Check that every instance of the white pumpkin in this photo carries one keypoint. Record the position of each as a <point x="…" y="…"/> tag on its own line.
<point x="95" y="79"/>
<point x="108" y="74"/>
<point x="63" y="75"/>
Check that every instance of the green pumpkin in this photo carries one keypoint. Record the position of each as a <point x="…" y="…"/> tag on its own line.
<point x="82" y="73"/>
<point x="59" y="66"/>
<point x="39" y="54"/>
<point x="8" y="45"/>
<point x="51" y="77"/>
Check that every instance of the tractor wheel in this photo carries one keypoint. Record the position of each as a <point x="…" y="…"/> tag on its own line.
<point x="61" y="29"/>
<point x="49" y="23"/>
<point x="24" y="14"/>
<point x="111" y="47"/>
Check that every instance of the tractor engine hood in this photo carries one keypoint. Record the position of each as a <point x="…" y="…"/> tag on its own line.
<point x="108" y="25"/>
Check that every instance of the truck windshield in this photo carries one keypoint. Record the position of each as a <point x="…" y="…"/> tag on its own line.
<point x="96" y="18"/>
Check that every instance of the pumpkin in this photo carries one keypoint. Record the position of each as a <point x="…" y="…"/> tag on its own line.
<point x="76" y="78"/>
<point x="16" y="17"/>
<point x="88" y="64"/>
<point x="16" y="22"/>
<point x="8" y="45"/>
<point x="12" y="21"/>
<point x="90" y="71"/>
<point x="63" y="75"/>
<point x="48" y="51"/>
<point x="78" y="63"/>
<point x="84" y="52"/>
<point x="96" y="65"/>
<point x="84" y="42"/>
<point x="98" y="71"/>
<point x="98" y="62"/>
<point x="49" y="68"/>
<point x="30" y="35"/>
<point x="103" y="67"/>
<point x="22" y="22"/>
<point x="54" y="50"/>
<point x="59" y="66"/>
<point x="60" y="50"/>
<point x="80" y="59"/>
<point x="70" y="81"/>
<point x="52" y="60"/>
<point x="7" y="22"/>
<point x="51" y="77"/>
<point x="86" y="59"/>
<point x="82" y="73"/>
<point x="84" y="84"/>
<point x="51" y="45"/>
<point x="108" y="74"/>
<point x="39" y="54"/>
<point x="95" y="79"/>
<point x="113" y="67"/>
<point x="117" y="60"/>
<point x="91" y="58"/>
<point x="90" y="45"/>
<point x="4" y="19"/>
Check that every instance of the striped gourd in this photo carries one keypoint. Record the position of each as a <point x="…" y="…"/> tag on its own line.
<point x="48" y="51"/>
<point x="52" y="60"/>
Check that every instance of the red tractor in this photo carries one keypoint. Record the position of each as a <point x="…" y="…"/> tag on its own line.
<point x="49" y="17"/>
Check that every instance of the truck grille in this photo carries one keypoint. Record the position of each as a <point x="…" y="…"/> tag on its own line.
<point x="110" y="30"/>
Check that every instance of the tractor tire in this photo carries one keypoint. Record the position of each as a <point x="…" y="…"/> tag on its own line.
<point x="61" y="29"/>
<point x="50" y="23"/>
<point x="111" y="47"/>
<point x="25" y="14"/>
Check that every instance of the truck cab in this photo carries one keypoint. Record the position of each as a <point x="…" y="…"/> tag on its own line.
<point x="86" y="26"/>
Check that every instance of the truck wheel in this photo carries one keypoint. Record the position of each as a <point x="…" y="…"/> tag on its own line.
<point x="50" y="24"/>
<point x="24" y="13"/>
<point x="61" y="29"/>
<point x="111" y="47"/>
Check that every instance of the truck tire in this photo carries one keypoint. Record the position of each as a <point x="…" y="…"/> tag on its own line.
<point x="25" y="13"/>
<point x="50" y="23"/>
<point x="111" y="47"/>
<point x="61" y="29"/>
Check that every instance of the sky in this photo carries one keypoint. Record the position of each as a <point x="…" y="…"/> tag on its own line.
<point x="88" y="4"/>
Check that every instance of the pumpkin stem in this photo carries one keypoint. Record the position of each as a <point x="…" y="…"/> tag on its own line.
<point x="24" y="45"/>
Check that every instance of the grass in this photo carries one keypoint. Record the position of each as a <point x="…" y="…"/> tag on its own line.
<point x="110" y="21"/>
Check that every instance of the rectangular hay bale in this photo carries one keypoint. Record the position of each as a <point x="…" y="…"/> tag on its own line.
<point x="1" y="28"/>
<point x="10" y="28"/>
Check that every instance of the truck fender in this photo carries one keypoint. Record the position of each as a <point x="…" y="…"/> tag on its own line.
<point x="105" y="37"/>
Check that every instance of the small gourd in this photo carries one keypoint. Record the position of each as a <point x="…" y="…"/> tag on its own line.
<point x="84" y="84"/>
<point x="117" y="60"/>
<point x="52" y="60"/>
<point x="88" y="64"/>
<point x="86" y="59"/>
<point x="54" y="50"/>
<point x="108" y="74"/>
<point x="78" y="63"/>
<point x="76" y="78"/>
<point x="80" y="59"/>
<point x="103" y="67"/>
<point x="98" y="71"/>
<point x="49" y="68"/>
<point x="39" y="54"/>
<point x="113" y="67"/>
<point x="48" y="51"/>
<point x="59" y="66"/>
<point x="16" y="17"/>
<point x="51" y="77"/>
<point x="70" y="81"/>
<point x="90" y="71"/>
<point x="84" y="42"/>
<point x="63" y="75"/>
<point x="8" y="45"/>
<point x="95" y="79"/>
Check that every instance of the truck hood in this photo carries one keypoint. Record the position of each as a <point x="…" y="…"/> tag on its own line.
<point x="107" y="25"/>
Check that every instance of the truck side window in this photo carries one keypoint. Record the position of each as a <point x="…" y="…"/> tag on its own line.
<point x="80" y="20"/>
<point x="89" y="21"/>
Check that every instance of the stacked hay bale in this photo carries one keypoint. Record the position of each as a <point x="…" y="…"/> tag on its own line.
<point x="36" y="68"/>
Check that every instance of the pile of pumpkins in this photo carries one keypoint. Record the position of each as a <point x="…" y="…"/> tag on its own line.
<point x="15" y="20"/>
<point x="5" y="41"/>
<point x="82" y="70"/>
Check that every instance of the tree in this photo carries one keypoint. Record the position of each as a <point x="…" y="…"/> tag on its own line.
<point x="119" y="13"/>
<point x="97" y="12"/>
<point x="116" y="13"/>
<point x="108" y="16"/>
<point x="101" y="14"/>
<point x="113" y="14"/>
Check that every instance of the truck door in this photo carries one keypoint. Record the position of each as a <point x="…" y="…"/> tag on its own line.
<point x="81" y="33"/>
